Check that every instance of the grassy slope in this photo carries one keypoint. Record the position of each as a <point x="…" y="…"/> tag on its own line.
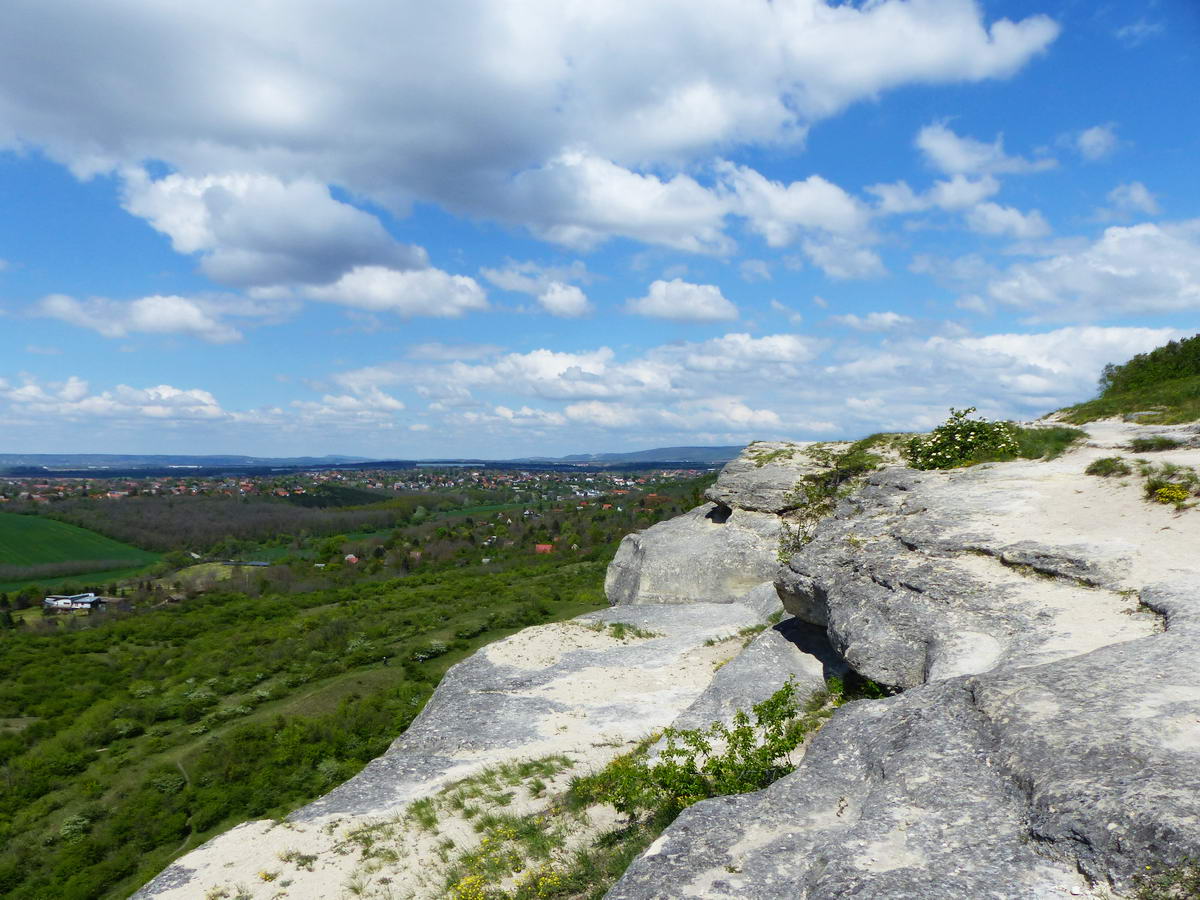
<point x="33" y="540"/>
<point x="1170" y="402"/>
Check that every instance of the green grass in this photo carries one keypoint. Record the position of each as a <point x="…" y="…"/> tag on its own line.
<point x="1153" y="444"/>
<point x="33" y="540"/>
<point x="1046" y="443"/>
<point x="1108" y="467"/>
<point x="1166" y="403"/>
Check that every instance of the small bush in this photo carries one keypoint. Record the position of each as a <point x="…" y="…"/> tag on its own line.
<point x="433" y="650"/>
<point x="961" y="440"/>
<point x="1108" y="467"/>
<point x="1154" y="444"/>
<point x="690" y="767"/>
<point x="1169" y="483"/>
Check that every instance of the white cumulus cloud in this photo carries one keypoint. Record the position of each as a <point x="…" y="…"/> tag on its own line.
<point x="682" y="301"/>
<point x="418" y="292"/>
<point x="254" y="230"/>
<point x="955" y="155"/>
<point x="1133" y="198"/>
<point x="1096" y="142"/>
<point x="575" y="120"/>
<point x="1137" y="270"/>
<point x="149" y="315"/>
<point x="566" y="300"/>
<point x="992" y="218"/>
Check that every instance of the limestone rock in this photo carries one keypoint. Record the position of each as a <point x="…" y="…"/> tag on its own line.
<point x="711" y="554"/>
<point x="912" y="587"/>
<point x="1028" y="782"/>
<point x="764" y="477"/>
<point x="1046" y="626"/>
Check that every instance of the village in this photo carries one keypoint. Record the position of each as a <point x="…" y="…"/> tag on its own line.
<point x="543" y="486"/>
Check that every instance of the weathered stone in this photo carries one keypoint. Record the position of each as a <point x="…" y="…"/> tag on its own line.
<point x="710" y="554"/>
<point x="1003" y="785"/>
<point x="1048" y="744"/>
<point x="911" y="589"/>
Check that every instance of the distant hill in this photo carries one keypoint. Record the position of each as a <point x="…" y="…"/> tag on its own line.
<point x="705" y="455"/>
<point x="133" y="465"/>
<point x="126" y="461"/>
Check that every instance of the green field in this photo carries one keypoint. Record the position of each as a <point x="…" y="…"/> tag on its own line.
<point x="33" y="547"/>
<point x="32" y="541"/>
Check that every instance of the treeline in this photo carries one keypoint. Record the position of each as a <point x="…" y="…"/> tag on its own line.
<point x="200" y="523"/>
<point x="61" y="569"/>
<point x="1176" y="359"/>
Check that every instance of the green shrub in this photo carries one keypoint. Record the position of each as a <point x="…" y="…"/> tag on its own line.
<point x="1163" y="386"/>
<point x="1175" y="359"/>
<point x="1108" y="466"/>
<point x="1153" y="444"/>
<point x="961" y="440"/>
<point x="1169" y="483"/>
<point x="699" y="763"/>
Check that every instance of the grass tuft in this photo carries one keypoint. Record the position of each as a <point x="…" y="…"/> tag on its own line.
<point x="1154" y="444"/>
<point x="1108" y="467"/>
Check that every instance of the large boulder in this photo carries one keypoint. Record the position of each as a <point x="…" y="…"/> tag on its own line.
<point x="764" y="477"/>
<point x="917" y="578"/>
<point x="711" y="554"/>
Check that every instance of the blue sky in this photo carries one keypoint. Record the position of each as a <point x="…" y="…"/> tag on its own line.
<point x="499" y="229"/>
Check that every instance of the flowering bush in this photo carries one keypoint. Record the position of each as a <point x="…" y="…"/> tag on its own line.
<point x="1172" y="493"/>
<point x="961" y="440"/>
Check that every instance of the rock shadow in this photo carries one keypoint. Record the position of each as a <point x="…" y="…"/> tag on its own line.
<point x="813" y="640"/>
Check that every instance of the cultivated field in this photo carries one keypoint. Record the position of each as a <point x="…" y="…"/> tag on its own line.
<point x="33" y="546"/>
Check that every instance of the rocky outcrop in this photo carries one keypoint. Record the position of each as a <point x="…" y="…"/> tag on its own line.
<point x="763" y="477"/>
<point x="1033" y="782"/>
<point x="1048" y="740"/>
<point x="789" y="650"/>
<point x="718" y="551"/>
